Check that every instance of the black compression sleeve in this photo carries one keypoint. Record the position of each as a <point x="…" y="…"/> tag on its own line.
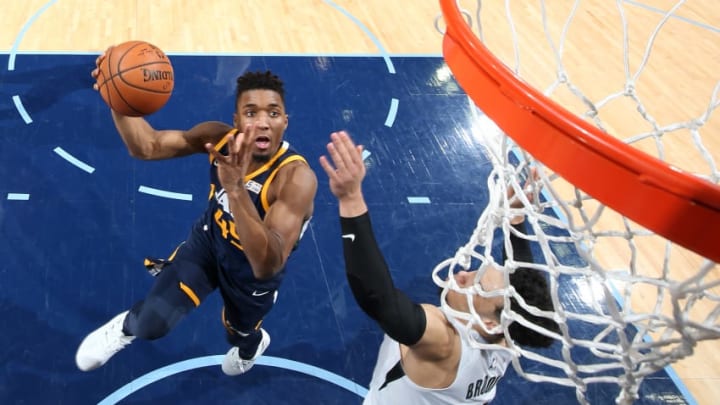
<point x="372" y="286"/>
<point x="520" y="246"/>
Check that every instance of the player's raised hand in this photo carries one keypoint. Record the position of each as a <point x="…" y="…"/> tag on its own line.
<point x="347" y="169"/>
<point x="530" y="188"/>
<point x="233" y="166"/>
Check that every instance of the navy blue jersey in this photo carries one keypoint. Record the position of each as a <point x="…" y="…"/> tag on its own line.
<point x="234" y="267"/>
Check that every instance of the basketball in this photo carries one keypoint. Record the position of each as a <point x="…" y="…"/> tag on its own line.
<point x="135" y="78"/>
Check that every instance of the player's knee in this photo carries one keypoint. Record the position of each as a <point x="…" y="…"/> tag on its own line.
<point x="151" y="326"/>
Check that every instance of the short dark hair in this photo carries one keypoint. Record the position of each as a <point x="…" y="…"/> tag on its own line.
<point x="532" y="286"/>
<point x="259" y="80"/>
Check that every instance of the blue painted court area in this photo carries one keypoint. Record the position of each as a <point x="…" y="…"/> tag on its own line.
<point x="76" y="220"/>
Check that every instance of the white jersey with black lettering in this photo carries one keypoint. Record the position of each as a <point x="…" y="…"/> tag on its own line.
<point x="478" y="373"/>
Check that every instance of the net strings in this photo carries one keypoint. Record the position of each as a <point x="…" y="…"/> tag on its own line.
<point x="564" y="221"/>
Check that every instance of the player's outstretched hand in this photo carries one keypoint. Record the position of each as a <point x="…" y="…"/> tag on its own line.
<point x="347" y="169"/>
<point x="531" y="188"/>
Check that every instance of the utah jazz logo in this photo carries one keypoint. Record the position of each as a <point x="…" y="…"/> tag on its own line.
<point x="222" y="199"/>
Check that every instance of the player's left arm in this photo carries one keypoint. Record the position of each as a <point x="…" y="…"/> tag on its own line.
<point x="268" y="244"/>
<point x="521" y="246"/>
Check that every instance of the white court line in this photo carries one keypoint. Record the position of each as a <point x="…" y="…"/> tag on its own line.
<point x="199" y="362"/>
<point x="390" y="120"/>
<point x="23" y="30"/>
<point x="234" y="54"/>
<point x="370" y="35"/>
<point x="684" y="19"/>
<point x="73" y="160"/>
<point x="165" y="194"/>
<point x="418" y="200"/>
<point x="18" y="196"/>
<point x="21" y="109"/>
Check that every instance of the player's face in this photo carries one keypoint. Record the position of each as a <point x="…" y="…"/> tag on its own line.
<point x="266" y="109"/>
<point x="487" y="307"/>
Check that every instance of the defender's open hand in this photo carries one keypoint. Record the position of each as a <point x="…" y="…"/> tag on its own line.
<point x="349" y="169"/>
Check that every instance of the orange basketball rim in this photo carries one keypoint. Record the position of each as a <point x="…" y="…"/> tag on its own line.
<point x="674" y="204"/>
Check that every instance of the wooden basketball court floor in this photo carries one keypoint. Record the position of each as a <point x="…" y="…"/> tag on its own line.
<point x="77" y="214"/>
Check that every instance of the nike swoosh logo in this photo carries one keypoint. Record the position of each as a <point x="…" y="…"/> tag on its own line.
<point x="259" y="294"/>
<point x="350" y="236"/>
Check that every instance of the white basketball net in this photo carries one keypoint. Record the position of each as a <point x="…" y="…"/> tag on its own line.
<point x="639" y="301"/>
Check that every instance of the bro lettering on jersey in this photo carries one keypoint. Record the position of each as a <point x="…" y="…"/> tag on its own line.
<point x="481" y="386"/>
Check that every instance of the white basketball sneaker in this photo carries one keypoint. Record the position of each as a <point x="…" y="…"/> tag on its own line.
<point x="97" y="347"/>
<point x="234" y="365"/>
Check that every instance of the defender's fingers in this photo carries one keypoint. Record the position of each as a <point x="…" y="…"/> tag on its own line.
<point x="337" y="157"/>
<point x="532" y="183"/>
<point x="346" y="148"/>
<point x="532" y="176"/>
<point x="329" y="169"/>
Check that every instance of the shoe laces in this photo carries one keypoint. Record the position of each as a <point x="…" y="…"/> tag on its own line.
<point x="116" y="339"/>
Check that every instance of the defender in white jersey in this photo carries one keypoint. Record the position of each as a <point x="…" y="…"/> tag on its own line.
<point x="426" y="357"/>
<point x="477" y="376"/>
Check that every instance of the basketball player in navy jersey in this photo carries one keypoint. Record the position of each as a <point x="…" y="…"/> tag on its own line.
<point x="426" y="357"/>
<point x="261" y="199"/>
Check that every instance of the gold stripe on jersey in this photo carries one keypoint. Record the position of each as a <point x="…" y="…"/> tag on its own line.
<point x="282" y="149"/>
<point x="190" y="293"/>
<point x="231" y="329"/>
<point x="266" y="185"/>
<point x="174" y="253"/>
<point x="225" y="323"/>
<point x="222" y="142"/>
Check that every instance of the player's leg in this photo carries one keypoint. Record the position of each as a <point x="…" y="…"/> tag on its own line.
<point x="243" y="314"/>
<point x="181" y="286"/>
<point x="178" y="289"/>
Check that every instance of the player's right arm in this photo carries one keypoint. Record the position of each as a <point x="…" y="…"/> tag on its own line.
<point x="146" y="143"/>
